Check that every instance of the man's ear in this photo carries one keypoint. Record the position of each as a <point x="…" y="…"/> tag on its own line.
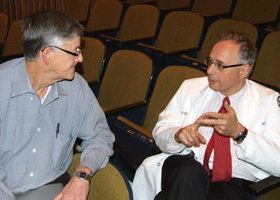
<point x="245" y="71"/>
<point x="46" y="55"/>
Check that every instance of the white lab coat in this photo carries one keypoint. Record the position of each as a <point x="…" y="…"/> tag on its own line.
<point x="258" y="111"/>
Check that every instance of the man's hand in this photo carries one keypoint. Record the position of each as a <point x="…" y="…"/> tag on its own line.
<point x="190" y="136"/>
<point x="76" y="189"/>
<point x="225" y="124"/>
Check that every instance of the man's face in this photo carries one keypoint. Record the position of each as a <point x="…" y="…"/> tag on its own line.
<point x="63" y="66"/>
<point x="229" y="80"/>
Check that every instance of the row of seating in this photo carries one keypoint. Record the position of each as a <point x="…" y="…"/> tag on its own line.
<point x="108" y="14"/>
<point x="178" y="42"/>
<point x="260" y="11"/>
<point x="171" y="41"/>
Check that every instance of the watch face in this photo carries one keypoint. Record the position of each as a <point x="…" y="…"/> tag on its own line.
<point x="83" y="175"/>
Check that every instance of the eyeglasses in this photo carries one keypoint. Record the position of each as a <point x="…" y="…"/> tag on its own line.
<point x="69" y="52"/>
<point x="209" y="61"/>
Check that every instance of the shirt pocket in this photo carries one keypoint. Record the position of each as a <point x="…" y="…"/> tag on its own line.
<point x="61" y="148"/>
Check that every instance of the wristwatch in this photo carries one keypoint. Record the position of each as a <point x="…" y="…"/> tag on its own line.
<point x="82" y="175"/>
<point x="241" y="136"/>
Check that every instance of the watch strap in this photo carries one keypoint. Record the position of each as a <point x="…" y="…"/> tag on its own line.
<point x="82" y="175"/>
<point x="241" y="136"/>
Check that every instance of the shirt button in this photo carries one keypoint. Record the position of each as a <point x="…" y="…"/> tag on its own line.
<point x="31" y="174"/>
<point x="31" y="98"/>
<point x="34" y="150"/>
<point x="38" y="129"/>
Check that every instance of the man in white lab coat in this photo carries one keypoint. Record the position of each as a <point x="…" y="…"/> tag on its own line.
<point x="185" y="127"/>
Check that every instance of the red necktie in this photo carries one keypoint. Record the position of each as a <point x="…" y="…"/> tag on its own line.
<point x="222" y="158"/>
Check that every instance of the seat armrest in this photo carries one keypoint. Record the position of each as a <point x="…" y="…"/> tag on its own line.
<point x="266" y="185"/>
<point x="127" y="41"/>
<point x="155" y="149"/>
<point x="171" y="53"/>
<point x="124" y="108"/>
<point x="221" y="15"/>
<point x="108" y="32"/>
<point x="167" y="53"/>
<point x="174" y="9"/>
<point x="150" y="48"/>
<point x="268" y="23"/>
<point x="135" y="126"/>
<point x="192" y="62"/>
<point x="125" y="3"/>
<point x="109" y="37"/>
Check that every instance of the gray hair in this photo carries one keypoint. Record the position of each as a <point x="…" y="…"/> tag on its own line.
<point x="47" y="28"/>
<point x="247" y="53"/>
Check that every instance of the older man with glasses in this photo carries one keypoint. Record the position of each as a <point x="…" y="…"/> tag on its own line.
<point x="219" y="133"/>
<point x="44" y="107"/>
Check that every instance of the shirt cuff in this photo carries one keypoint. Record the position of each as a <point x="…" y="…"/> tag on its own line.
<point x="174" y="147"/>
<point x="241" y="148"/>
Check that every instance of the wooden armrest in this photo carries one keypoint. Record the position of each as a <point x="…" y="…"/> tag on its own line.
<point x="193" y="59"/>
<point x="103" y="30"/>
<point x="192" y="62"/>
<point x="174" y="9"/>
<point x="265" y="23"/>
<point x="168" y="53"/>
<point x="151" y="47"/>
<point x="268" y="184"/>
<point x="155" y="149"/>
<point x="135" y="126"/>
<point x="93" y="82"/>
<point x="127" y="41"/>
<point x="217" y="15"/>
<point x="129" y="3"/>
<point x="124" y="108"/>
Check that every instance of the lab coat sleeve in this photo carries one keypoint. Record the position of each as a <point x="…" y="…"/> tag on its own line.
<point x="169" y="122"/>
<point x="261" y="150"/>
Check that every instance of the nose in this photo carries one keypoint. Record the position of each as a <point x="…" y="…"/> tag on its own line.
<point x="211" y="69"/>
<point x="80" y="58"/>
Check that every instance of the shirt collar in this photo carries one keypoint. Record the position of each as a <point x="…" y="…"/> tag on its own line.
<point x="23" y="85"/>
<point x="234" y="99"/>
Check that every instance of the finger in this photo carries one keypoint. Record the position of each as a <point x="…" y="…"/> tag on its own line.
<point x="184" y="137"/>
<point x="209" y="122"/>
<point x="228" y="108"/>
<point x="201" y="138"/>
<point x="193" y="135"/>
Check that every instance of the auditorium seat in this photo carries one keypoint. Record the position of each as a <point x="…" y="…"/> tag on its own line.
<point x="104" y="18"/>
<point x="78" y="9"/>
<point x="126" y="83"/>
<point x="267" y="67"/>
<point x="134" y="141"/>
<point x="180" y="32"/>
<point x="91" y="68"/>
<point x="13" y="44"/>
<point x="139" y="24"/>
<point x="4" y="22"/>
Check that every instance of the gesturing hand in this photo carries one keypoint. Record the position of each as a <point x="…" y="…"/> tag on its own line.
<point x="190" y="136"/>
<point x="225" y="124"/>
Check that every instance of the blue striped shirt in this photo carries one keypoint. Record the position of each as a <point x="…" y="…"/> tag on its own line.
<point x="33" y="149"/>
